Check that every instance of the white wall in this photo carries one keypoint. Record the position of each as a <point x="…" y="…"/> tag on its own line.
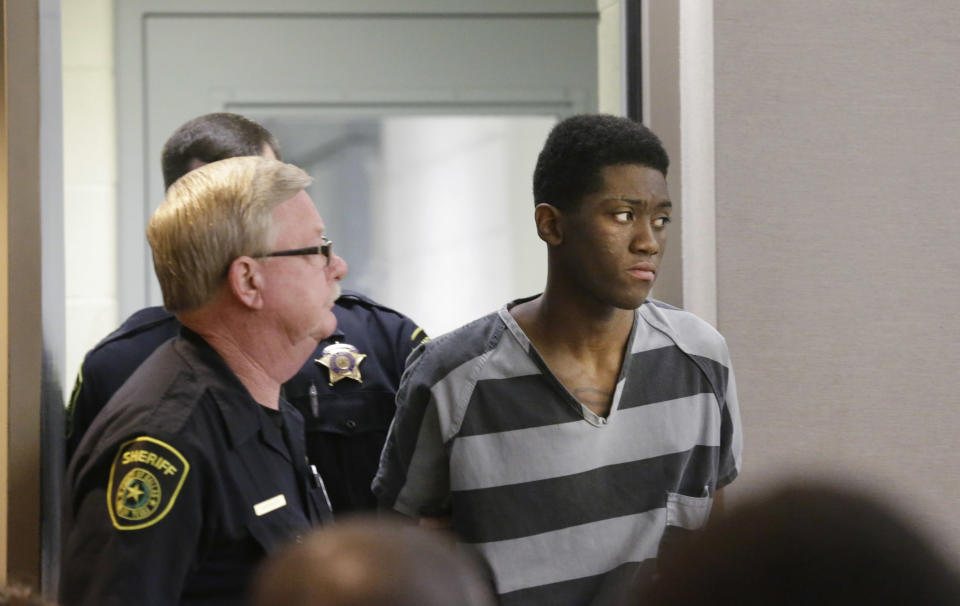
<point x="610" y="67"/>
<point x="455" y="234"/>
<point x="90" y="178"/>
<point x="433" y="214"/>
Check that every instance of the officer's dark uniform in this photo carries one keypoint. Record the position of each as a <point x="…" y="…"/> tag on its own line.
<point x="182" y="485"/>
<point x="110" y="363"/>
<point x="347" y="421"/>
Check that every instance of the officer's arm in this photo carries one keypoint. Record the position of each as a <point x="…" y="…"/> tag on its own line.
<point x="71" y="435"/>
<point x="85" y="403"/>
<point x="134" y="529"/>
<point x="410" y="337"/>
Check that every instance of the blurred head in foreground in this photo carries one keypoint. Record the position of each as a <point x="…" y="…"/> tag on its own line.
<point x="367" y="561"/>
<point x="807" y="545"/>
<point x="21" y="595"/>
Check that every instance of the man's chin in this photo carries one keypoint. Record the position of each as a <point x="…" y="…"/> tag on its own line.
<point x="631" y="301"/>
<point x="326" y="329"/>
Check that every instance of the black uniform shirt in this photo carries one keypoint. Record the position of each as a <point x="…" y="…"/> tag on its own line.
<point x="344" y="437"/>
<point x="181" y="486"/>
<point x="347" y="423"/>
<point x="110" y="363"/>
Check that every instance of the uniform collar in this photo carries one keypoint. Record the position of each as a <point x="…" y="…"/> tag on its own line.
<point x="239" y="410"/>
<point x="273" y="436"/>
<point x="293" y="425"/>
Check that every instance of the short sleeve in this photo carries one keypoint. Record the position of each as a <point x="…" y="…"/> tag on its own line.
<point x="86" y="400"/>
<point x="71" y="433"/>
<point x="136" y="526"/>
<point x="414" y="476"/>
<point x="731" y="433"/>
<point x="106" y="367"/>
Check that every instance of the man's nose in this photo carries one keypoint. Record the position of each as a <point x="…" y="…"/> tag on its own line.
<point x="645" y="239"/>
<point x="338" y="267"/>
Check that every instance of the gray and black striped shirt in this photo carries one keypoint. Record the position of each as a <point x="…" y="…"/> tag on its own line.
<point x="559" y="500"/>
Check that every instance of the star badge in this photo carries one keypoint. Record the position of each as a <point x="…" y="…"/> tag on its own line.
<point x="343" y="361"/>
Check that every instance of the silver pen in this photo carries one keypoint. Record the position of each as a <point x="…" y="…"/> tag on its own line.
<point x="314" y="402"/>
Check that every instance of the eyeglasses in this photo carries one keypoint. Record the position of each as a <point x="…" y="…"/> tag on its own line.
<point x="325" y="249"/>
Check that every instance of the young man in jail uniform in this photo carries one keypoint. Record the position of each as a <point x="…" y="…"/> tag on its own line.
<point x="197" y="468"/>
<point x="568" y="435"/>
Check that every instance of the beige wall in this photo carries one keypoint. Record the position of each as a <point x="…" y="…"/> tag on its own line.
<point x="4" y="298"/>
<point x="20" y="498"/>
<point x="838" y="265"/>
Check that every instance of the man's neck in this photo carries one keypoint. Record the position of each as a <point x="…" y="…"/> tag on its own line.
<point x="255" y="376"/>
<point x="556" y="322"/>
<point x="582" y="343"/>
<point x="260" y="371"/>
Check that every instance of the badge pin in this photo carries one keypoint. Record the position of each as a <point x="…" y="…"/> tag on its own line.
<point x="343" y="361"/>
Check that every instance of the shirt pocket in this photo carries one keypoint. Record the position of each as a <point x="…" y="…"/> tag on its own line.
<point x="690" y="513"/>
<point x="350" y="414"/>
<point x="279" y="525"/>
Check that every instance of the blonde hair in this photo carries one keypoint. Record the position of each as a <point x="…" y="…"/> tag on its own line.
<point x="211" y="216"/>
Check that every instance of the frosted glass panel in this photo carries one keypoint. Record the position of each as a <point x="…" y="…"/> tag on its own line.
<point x="433" y="214"/>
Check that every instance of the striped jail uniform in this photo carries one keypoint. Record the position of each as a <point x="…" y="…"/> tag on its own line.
<point x="562" y="503"/>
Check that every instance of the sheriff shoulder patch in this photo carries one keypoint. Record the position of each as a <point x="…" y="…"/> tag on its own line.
<point x="145" y="479"/>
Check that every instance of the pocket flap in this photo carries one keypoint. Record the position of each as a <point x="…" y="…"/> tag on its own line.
<point x="351" y="414"/>
<point x="688" y="512"/>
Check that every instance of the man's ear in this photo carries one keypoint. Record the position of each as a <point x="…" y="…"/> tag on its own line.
<point x="549" y="224"/>
<point x="246" y="282"/>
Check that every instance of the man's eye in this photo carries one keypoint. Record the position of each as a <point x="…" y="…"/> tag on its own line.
<point x="625" y="216"/>
<point x="661" y="222"/>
